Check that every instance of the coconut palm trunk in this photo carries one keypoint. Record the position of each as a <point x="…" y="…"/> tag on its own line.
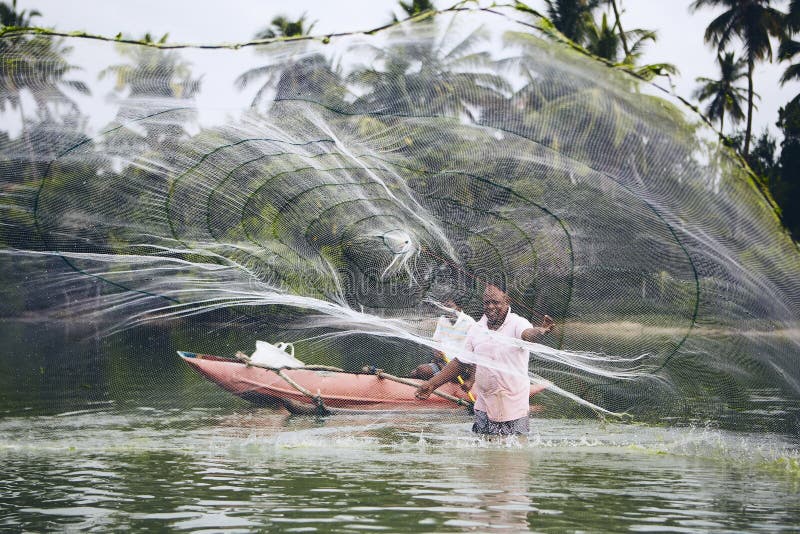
<point x="750" y="68"/>
<point x="619" y="29"/>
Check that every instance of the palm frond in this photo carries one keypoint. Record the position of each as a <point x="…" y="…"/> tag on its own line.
<point x="720" y="30"/>
<point x="467" y="44"/>
<point x="788" y="49"/>
<point x="258" y="72"/>
<point x="78" y="86"/>
<point x="648" y="72"/>
<point x="792" y="72"/>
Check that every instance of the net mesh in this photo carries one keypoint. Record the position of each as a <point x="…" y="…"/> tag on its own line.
<point x="335" y="192"/>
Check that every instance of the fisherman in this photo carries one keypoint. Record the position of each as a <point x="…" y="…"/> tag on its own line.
<point x="501" y="385"/>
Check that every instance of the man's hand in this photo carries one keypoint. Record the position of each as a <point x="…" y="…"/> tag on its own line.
<point x="424" y="391"/>
<point x="535" y="332"/>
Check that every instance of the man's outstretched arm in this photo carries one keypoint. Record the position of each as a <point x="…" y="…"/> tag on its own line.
<point x="535" y="333"/>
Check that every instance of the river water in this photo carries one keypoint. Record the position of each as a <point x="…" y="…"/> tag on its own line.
<point x="258" y="469"/>
<point x="102" y="435"/>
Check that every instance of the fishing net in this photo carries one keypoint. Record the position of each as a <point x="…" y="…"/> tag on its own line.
<point x="336" y="193"/>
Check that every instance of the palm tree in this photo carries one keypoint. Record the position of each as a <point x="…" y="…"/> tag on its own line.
<point x="35" y="64"/>
<point x="753" y="22"/>
<point x="789" y="47"/>
<point x="429" y="74"/>
<point x="151" y="72"/>
<point x="281" y="26"/>
<point x="152" y="80"/>
<point x="787" y="190"/>
<point x="416" y="7"/>
<point x="280" y="73"/>
<point x="40" y="54"/>
<point x="632" y="52"/>
<point x="573" y="18"/>
<point x="52" y="68"/>
<point x="604" y="42"/>
<point x="725" y="96"/>
<point x="9" y="16"/>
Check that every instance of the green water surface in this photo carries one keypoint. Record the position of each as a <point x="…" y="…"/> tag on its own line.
<point x="116" y="434"/>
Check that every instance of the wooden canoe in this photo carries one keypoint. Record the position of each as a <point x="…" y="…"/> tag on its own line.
<point x="340" y="390"/>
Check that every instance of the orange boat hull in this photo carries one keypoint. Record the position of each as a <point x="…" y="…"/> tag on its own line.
<point x="337" y="390"/>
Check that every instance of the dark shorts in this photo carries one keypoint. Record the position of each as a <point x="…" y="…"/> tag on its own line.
<point x="483" y="425"/>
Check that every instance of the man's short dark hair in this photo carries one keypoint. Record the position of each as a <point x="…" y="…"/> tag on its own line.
<point x="499" y="282"/>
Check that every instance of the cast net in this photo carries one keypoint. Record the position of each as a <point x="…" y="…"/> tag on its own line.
<point x="338" y="192"/>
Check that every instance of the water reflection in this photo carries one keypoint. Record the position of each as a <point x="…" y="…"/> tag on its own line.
<point x="499" y="482"/>
<point x="257" y="469"/>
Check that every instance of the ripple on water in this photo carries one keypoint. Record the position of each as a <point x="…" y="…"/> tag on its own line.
<point x="261" y="470"/>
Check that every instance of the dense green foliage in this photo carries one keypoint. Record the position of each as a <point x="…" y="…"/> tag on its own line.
<point x="787" y="187"/>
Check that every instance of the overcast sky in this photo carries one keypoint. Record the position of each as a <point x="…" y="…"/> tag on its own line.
<point x="206" y="21"/>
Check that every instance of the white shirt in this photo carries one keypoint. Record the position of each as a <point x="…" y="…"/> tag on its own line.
<point x="502" y="386"/>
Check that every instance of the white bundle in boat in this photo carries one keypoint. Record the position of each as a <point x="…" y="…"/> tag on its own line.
<point x="276" y="356"/>
<point x="451" y="334"/>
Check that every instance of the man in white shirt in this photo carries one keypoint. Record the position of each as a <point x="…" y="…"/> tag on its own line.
<point x="502" y="387"/>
